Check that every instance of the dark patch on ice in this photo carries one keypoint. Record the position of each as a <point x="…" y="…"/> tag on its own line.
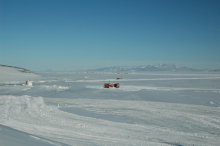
<point x="173" y="144"/>
<point x="108" y="117"/>
<point x="13" y="137"/>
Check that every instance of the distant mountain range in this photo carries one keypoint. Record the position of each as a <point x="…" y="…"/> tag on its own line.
<point x="60" y="70"/>
<point x="148" y="68"/>
<point x="157" y="67"/>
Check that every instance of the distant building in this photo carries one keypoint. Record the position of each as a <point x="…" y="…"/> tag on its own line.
<point x="29" y="83"/>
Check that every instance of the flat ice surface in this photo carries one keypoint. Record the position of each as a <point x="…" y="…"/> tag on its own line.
<point x="175" y="109"/>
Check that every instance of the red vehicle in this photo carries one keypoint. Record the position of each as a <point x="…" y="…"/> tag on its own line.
<point x="108" y="85"/>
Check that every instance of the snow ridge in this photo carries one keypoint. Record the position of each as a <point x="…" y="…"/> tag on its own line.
<point x="15" y="74"/>
<point x="18" y="69"/>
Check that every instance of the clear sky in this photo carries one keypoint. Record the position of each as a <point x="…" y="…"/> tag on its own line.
<point x="80" y="34"/>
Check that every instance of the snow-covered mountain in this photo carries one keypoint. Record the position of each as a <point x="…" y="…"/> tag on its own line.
<point x="157" y="67"/>
<point x="11" y="73"/>
<point x="214" y="70"/>
<point x="16" y="68"/>
<point x="114" y="69"/>
<point x="147" y="68"/>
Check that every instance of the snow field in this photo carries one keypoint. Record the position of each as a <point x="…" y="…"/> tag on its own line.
<point x="75" y="109"/>
<point x="138" y="88"/>
<point x="163" y="122"/>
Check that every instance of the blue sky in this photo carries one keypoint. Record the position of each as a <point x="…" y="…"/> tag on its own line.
<point x="80" y="34"/>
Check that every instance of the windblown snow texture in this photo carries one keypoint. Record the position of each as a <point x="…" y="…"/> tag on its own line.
<point x="148" y="109"/>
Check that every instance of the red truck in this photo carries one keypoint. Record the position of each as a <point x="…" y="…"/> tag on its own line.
<point x="108" y="85"/>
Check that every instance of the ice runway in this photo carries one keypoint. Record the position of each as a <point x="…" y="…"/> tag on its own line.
<point x="56" y="112"/>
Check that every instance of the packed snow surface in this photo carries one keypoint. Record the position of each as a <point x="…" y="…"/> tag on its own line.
<point x="148" y="109"/>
